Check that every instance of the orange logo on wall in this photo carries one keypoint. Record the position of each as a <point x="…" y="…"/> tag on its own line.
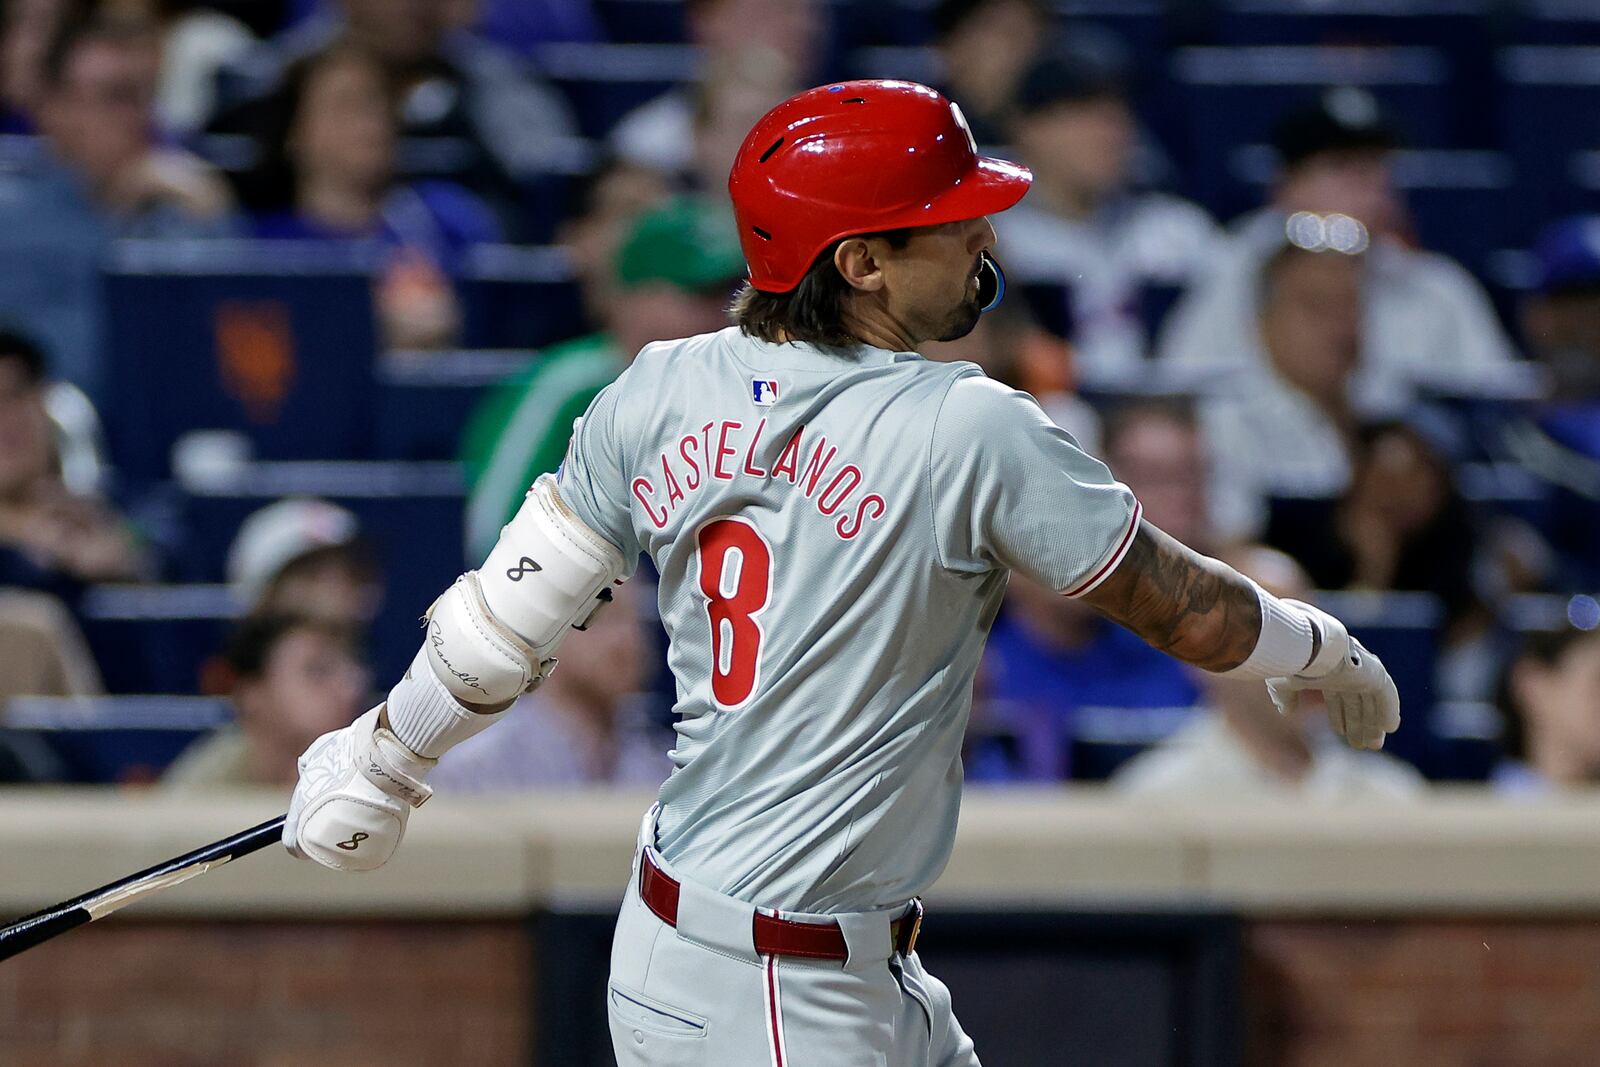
<point x="255" y="355"/>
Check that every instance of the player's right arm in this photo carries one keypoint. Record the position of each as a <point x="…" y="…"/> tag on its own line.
<point x="1012" y="489"/>
<point x="1203" y="612"/>
<point x="490" y="637"/>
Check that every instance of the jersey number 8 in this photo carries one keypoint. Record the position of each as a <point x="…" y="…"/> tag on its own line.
<point x="736" y="580"/>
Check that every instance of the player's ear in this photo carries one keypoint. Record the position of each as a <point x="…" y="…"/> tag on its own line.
<point x="860" y="268"/>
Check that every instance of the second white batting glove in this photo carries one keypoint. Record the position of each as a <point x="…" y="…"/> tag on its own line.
<point x="357" y="787"/>
<point x="1363" y="703"/>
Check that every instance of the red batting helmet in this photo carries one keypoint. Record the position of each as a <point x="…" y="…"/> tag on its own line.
<point x="857" y="157"/>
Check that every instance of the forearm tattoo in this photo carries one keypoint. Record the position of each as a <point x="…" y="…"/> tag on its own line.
<point x="1188" y="605"/>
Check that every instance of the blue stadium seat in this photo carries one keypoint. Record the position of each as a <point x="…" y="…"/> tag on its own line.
<point x="1466" y="737"/>
<point x="1103" y="739"/>
<point x="1234" y="96"/>
<point x="156" y="638"/>
<point x="410" y="512"/>
<point x="1549" y="115"/>
<point x="515" y="296"/>
<point x="116" y="739"/>
<point x="643" y="21"/>
<point x="606" y="81"/>
<point x="1402" y="629"/>
<point x="1457" y="25"/>
<point x="425" y="398"/>
<point x="1556" y="22"/>
<point x="270" y="339"/>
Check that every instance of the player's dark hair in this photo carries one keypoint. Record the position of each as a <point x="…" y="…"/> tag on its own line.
<point x="812" y="311"/>
<point x="258" y="636"/>
<point x="1546" y="648"/>
<point x="20" y="349"/>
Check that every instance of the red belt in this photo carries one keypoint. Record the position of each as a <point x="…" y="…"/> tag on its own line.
<point x="775" y="936"/>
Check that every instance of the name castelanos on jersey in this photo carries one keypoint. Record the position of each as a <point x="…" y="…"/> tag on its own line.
<point x="725" y="451"/>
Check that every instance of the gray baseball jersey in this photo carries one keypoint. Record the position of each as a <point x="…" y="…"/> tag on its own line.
<point x="834" y="529"/>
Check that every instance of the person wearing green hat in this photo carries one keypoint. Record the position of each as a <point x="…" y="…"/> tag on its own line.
<point x="676" y="270"/>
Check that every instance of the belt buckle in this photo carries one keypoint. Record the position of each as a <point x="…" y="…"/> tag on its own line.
<point x="908" y="942"/>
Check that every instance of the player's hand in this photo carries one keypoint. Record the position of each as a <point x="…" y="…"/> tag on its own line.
<point x="1363" y="704"/>
<point x="357" y="787"/>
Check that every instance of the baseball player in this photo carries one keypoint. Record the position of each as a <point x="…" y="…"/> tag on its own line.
<point x="834" y="520"/>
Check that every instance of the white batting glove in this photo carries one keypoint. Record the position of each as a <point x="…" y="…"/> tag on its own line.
<point x="1363" y="704"/>
<point x="357" y="787"/>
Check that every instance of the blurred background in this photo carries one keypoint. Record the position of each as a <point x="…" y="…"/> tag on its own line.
<point x="298" y="296"/>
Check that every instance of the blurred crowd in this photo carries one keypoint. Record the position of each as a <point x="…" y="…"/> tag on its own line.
<point x="1306" y="390"/>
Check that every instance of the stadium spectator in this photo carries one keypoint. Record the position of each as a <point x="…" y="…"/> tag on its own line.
<point x="294" y="679"/>
<point x="479" y="115"/>
<point x="1011" y="347"/>
<point x="1425" y="320"/>
<point x="52" y="538"/>
<point x="42" y="651"/>
<point x="1155" y="447"/>
<point x="196" y="42"/>
<point x="586" y="725"/>
<point x="1401" y="524"/>
<point x="781" y="39"/>
<point x="607" y="205"/>
<point x="1282" y="427"/>
<point x="339" y="152"/>
<point x="677" y="270"/>
<point x="26" y="29"/>
<point x="1561" y="320"/>
<point x="985" y="47"/>
<point x="1558" y="438"/>
<point x="1084" y="226"/>
<point x="103" y="176"/>
<point x="305" y="557"/>
<point x="1244" y="749"/>
<point x="728" y="101"/>
<point x="1549" y="697"/>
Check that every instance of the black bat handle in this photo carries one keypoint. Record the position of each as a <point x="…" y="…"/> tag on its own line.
<point x="41" y="926"/>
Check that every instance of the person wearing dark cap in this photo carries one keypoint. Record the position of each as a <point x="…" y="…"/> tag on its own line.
<point x="1561" y="320"/>
<point x="1087" y="227"/>
<point x="675" y="273"/>
<point x="1427" y="321"/>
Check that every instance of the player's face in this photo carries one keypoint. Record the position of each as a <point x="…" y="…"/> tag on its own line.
<point x="932" y="283"/>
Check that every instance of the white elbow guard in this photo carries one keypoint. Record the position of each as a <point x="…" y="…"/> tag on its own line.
<point x="493" y="634"/>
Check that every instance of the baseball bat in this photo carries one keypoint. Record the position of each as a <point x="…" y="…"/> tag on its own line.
<point x="41" y="926"/>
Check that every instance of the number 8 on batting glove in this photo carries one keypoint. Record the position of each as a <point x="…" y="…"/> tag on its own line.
<point x="357" y="786"/>
<point x="1363" y="704"/>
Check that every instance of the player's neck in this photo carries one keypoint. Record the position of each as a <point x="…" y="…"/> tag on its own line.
<point x="871" y="324"/>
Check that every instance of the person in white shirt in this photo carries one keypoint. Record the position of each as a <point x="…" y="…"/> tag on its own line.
<point x="1086" y="227"/>
<point x="1283" y="422"/>
<point x="1426" y="320"/>
<point x="1244" y="749"/>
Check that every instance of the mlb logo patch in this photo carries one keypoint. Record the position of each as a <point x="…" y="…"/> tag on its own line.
<point x="764" y="391"/>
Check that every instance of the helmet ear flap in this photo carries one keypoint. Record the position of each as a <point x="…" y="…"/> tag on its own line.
<point x="991" y="283"/>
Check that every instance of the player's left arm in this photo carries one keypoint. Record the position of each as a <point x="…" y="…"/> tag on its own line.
<point x="1204" y="612"/>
